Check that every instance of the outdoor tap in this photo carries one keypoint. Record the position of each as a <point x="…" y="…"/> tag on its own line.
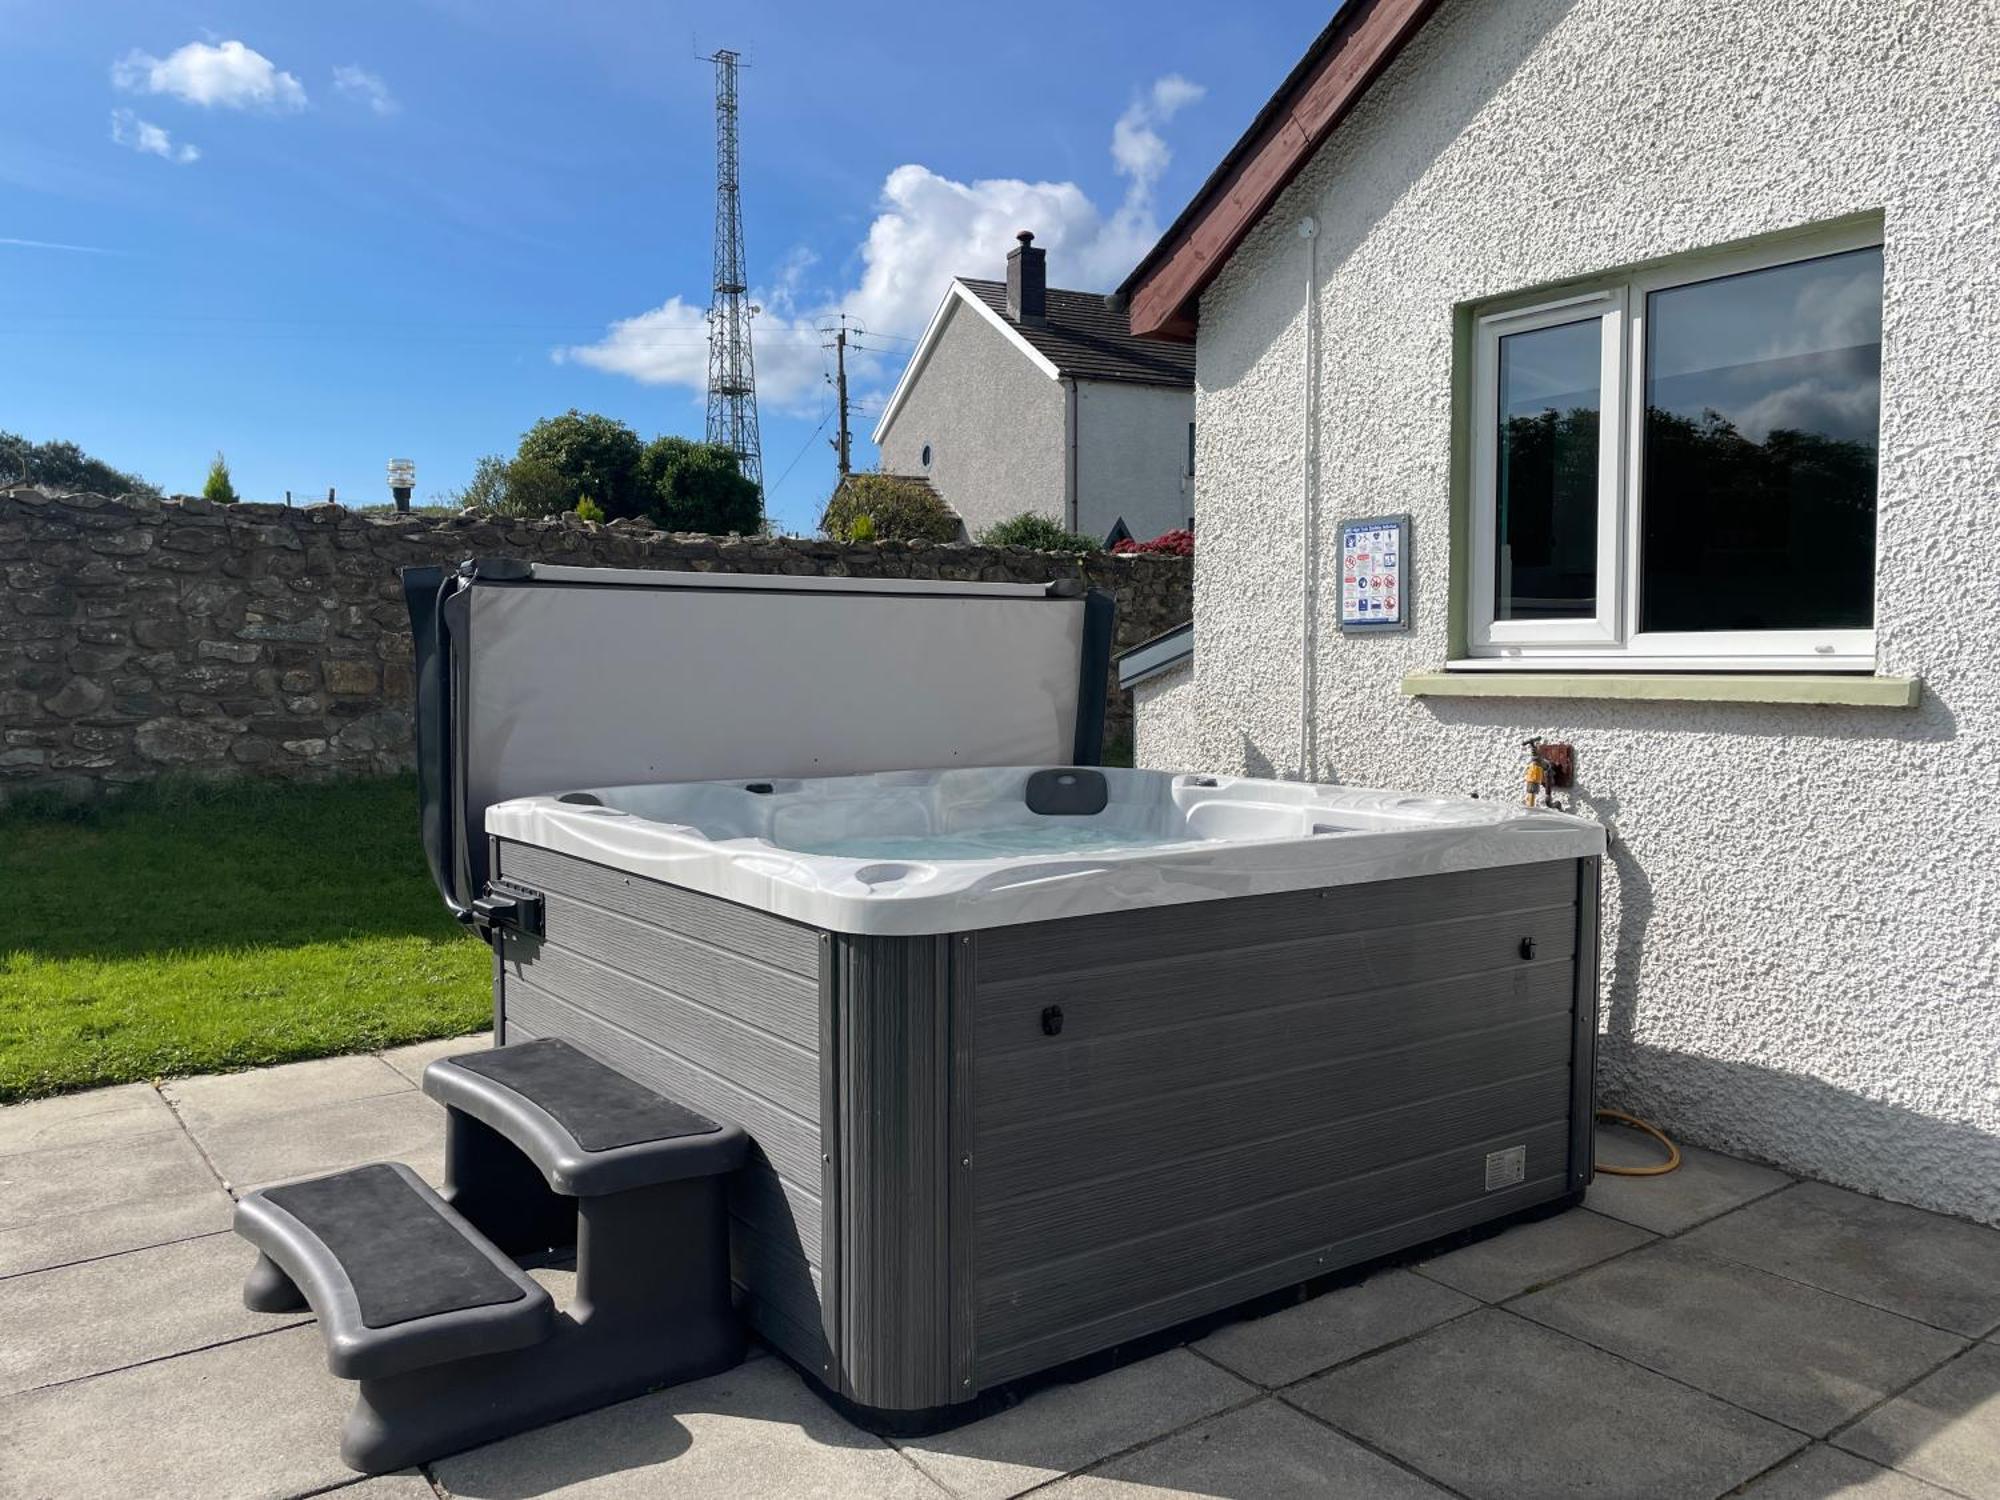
<point x="1550" y="766"/>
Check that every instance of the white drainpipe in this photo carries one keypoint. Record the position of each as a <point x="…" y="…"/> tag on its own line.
<point x="1309" y="514"/>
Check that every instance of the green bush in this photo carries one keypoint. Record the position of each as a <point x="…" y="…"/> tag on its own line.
<point x="685" y="485"/>
<point x="1039" y="532"/>
<point x="487" y="488"/>
<point x="529" y="488"/>
<point x="588" y="509"/>
<point x="591" y="455"/>
<point x="899" y="510"/>
<point x="64" y="466"/>
<point x="217" y="486"/>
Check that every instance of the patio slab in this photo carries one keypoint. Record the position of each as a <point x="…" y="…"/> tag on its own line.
<point x="257" y="1418"/>
<point x="77" y="1119"/>
<point x="405" y="1126"/>
<point x="1789" y="1352"/>
<point x="1531" y="1255"/>
<point x="411" y="1061"/>
<point x="1495" y="1406"/>
<point x="223" y="1098"/>
<point x="1064" y="1428"/>
<point x="1333" y="1327"/>
<point x="755" y="1431"/>
<point x="1269" y="1451"/>
<point x="1821" y="1473"/>
<point x="1944" y="1429"/>
<point x="80" y="1202"/>
<point x="1922" y="1265"/>
<point x="105" y="1314"/>
<point x="1704" y="1185"/>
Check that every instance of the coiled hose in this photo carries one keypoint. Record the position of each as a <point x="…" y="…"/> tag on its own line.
<point x="1660" y="1169"/>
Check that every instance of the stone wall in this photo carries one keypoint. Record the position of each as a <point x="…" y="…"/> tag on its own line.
<point x="139" y="637"/>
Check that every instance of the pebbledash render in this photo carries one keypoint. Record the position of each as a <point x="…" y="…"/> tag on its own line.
<point x="1799" y="960"/>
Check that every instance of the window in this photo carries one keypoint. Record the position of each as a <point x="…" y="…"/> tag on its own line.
<point x="925" y="460"/>
<point x="1677" y="468"/>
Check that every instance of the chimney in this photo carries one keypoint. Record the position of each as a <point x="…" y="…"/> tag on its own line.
<point x="1028" y="282"/>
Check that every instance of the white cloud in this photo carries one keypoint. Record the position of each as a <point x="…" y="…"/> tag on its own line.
<point x="127" y="129"/>
<point x="366" y="88"/>
<point x="927" y="229"/>
<point x="228" y="74"/>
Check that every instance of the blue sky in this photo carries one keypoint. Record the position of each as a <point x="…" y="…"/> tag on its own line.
<point x="321" y="236"/>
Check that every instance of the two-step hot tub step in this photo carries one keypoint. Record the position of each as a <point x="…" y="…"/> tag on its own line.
<point x="452" y="1343"/>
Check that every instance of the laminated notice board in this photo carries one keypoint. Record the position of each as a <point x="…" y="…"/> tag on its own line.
<point x="1375" y="574"/>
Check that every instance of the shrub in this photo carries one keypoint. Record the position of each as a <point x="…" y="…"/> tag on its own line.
<point x="217" y="486"/>
<point x="592" y="455"/>
<point x="486" y="489"/>
<point x="64" y="466"/>
<point x="588" y="509"/>
<point x="861" y="529"/>
<point x="1036" y="531"/>
<point x="686" y="485"/>
<point x="899" y="510"/>
<point x="529" y="488"/>
<point x="1177" y="543"/>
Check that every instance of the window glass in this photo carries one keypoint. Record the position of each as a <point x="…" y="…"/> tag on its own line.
<point x="1546" y="527"/>
<point x="1763" y="397"/>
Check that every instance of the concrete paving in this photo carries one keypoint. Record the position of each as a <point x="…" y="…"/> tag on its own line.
<point x="1722" y="1330"/>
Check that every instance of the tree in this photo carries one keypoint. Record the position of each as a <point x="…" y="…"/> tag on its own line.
<point x="217" y="486"/>
<point x="592" y="455"/>
<point x="692" y="486"/>
<point x="899" y="510"/>
<point x="487" y="488"/>
<point x="529" y="488"/>
<point x="64" y="466"/>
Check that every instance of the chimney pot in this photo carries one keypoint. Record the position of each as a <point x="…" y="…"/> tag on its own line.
<point x="1027" y="281"/>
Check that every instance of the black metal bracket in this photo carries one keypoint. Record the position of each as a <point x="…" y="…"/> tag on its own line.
<point x="510" y="908"/>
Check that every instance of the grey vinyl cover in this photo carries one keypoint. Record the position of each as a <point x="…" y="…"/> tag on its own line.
<point x="577" y="677"/>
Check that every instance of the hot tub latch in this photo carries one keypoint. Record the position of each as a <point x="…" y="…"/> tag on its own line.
<point x="1052" y="1020"/>
<point x="507" y="907"/>
<point x="1527" y="947"/>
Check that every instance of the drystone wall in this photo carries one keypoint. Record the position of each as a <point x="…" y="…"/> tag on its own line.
<point x="139" y="637"/>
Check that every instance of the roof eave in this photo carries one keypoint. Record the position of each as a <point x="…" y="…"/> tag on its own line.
<point x="1163" y="292"/>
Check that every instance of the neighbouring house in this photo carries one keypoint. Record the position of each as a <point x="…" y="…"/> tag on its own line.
<point x="1024" y="397"/>
<point x="1673" y="329"/>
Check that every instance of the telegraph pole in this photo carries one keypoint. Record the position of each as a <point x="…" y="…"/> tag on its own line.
<point x="840" y="444"/>
<point x="732" y="375"/>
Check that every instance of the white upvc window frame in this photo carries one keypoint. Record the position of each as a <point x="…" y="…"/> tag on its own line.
<point x="1612" y="639"/>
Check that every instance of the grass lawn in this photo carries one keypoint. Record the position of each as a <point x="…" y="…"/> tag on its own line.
<point x="195" y="929"/>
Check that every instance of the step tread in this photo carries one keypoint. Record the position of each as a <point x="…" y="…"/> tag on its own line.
<point x="398" y="1279"/>
<point x="600" y="1107"/>
<point x="588" y="1127"/>
<point x="403" y="1260"/>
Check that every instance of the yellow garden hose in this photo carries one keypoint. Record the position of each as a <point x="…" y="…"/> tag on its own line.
<point x="1618" y="1116"/>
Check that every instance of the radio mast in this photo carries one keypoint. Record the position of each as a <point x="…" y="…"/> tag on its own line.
<point x="732" y="373"/>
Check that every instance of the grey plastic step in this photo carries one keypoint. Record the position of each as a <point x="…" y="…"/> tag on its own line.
<point x="587" y="1127"/>
<point x="398" y="1279"/>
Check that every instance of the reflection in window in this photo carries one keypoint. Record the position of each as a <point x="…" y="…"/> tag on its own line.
<point x="1763" y="396"/>
<point x="1546" y="552"/>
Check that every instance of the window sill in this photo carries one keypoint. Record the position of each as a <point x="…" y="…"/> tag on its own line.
<point x="1673" y="687"/>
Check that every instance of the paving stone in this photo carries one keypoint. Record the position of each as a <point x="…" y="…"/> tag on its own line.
<point x="77" y="1119"/>
<point x="405" y="1126"/>
<point x="217" y="1099"/>
<point x="80" y="1202"/>
<point x="252" y="1420"/>
<point x="1945" y="1429"/>
<point x="1333" y="1327"/>
<point x="754" y="1431"/>
<point x="1821" y="1473"/>
<point x="103" y="1314"/>
<point x="1705" y="1184"/>
<point x="1066" y="1427"/>
<point x="1268" y="1451"/>
<point x="411" y="1061"/>
<point x="1532" y="1255"/>
<point x="1923" y="1265"/>
<point x="1789" y="1352"/>
<point x="1496" y="1406"/>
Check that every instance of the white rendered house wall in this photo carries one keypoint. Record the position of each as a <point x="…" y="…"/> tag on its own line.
<point x="1801" y="902"/>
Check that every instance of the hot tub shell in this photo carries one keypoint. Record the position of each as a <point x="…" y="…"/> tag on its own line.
<point x="1000" y="1131"/>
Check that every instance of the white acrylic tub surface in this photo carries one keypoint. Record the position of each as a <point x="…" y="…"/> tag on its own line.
<point x="900" y="853"/>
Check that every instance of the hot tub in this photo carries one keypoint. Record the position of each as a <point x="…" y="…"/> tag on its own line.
<point x="1039" y="1060"/>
